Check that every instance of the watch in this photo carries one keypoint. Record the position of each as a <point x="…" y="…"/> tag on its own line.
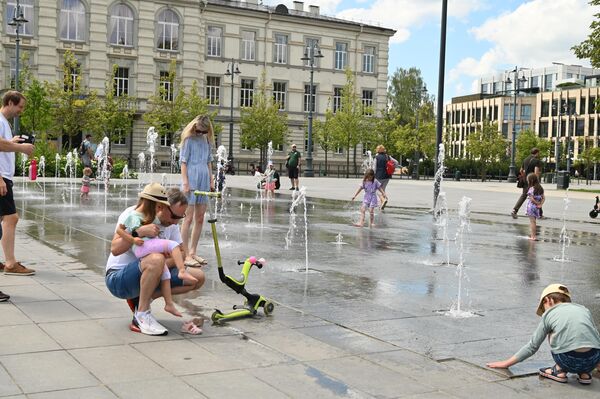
<point x="134" y="233"/>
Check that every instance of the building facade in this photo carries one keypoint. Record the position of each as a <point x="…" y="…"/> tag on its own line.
<point x="560" y="98"/>
<point x="143" y="37"/>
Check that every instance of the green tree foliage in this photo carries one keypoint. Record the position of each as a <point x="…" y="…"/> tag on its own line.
<point x="72" y="103"/>
<point x="114" y="114"/>
<point x="263" y="122"/>
<point x="526" y="141"/>
<point x="487" y="145"/>
<point x="37" y="116"/>
<point x="386" y="133"/>
<point x="588" y="157"/>
<point x="405" y="94"/>
<point x="416" y="142"/>
<point x="590" y="47"/>
<point x="323" y="134"/>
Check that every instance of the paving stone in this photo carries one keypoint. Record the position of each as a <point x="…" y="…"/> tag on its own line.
<point x="51" y="311"/>
<point x="25" y="338"/>
<point x="11" y="315"/>
<point x="81" y="334"/>
<point x="232" y="384"/>
<point x="7" y="385"/>
<point x="117" y="364"/>
<point x="183" y="357"/>
<point x="47" y="371"/>
<point x="159" y="388"/>
<point x="346" y="339"/>
<point x="99" y="392"/>
<point x="30" y="293"/>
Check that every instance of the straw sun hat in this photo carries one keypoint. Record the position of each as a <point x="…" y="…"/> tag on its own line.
<point x="551" y="289"/>
<point x="155" y="192"/>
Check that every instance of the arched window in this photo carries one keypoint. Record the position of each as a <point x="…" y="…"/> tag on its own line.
<point x="168" y="31"/>
<point x="121" y="25"/>
<point x="72" y="20"/>
<point x="27" y="9"/>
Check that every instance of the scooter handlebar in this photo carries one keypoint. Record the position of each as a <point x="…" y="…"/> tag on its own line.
<point x="215" y="194"/>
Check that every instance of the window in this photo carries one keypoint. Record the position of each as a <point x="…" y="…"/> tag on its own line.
<point x="548" y="80"/>
<point x="582" y="107"/>
<point x="484" y="88"/>
<point x="168" y="31"/>
<point x="339" y="150"/>
<point x="213" y="90"/>
<point x="495" y="87"/>
<point x="337" y="98"/>
<point x="591" y="132"/>
<point x="579" y="127"/>
<point x="367" y="102"/>
<point x="341" y="55"/>
<point x="166" y="86"/>
<point x="526" y="111"/>
<point x="73" y="81"/>
<point x="534" y="82"/>
<point x="121" y="82"/>
<point x="214" y="37"/>
<point x="248" y="45"/>
<point x="545" y="108"/>
<point x="369" y="59"/>
<point x="119" y="137"/>
<point x="572" y="106"/>
<point x="121" y="25"/>
<point x="505" y="129"/>
<point x="280" y="50"/>
<point x="72" y="20"/>
<point x="279" y="94"/>
<point x="27" y="8"/>
<point x="309" y="99"/>
<point x="247" y="92"/>
<point x="508" y="111"/>
<point x="543" y="130"/>
<point x="592" y="105"/>
<point x="310" y="45"/>
<point x="165" y="140"/>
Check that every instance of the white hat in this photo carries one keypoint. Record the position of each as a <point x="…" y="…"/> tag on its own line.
<point x="551" y="289"/>
<point x="155" y="192"/>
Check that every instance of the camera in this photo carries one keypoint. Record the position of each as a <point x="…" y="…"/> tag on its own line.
<point x="27" y="139"/>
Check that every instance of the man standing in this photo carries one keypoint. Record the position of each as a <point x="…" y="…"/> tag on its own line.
<point x="137" y="280"/>
<point x="86" y="151"/>
<point x="13" y="104"/>
<point x="531" y="164"/>
<point x="293" y="165"/>
<point x="381" y="173"/>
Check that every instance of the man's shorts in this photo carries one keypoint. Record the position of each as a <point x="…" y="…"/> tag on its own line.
<point x="125" y="283"/>
<point x="293" y="172"/>
<point x="7" y="202"/>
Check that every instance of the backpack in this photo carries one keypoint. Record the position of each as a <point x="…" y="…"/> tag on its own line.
<point x="390" y="167"/>
<point x="82" y="149"/>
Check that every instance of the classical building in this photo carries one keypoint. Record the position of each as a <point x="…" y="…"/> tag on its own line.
<point x="142" y="37"/>
<point x="560" y="98"/>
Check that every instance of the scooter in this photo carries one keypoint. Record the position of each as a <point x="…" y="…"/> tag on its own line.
<point x="594" y="212"/>
<point x="253" y="301"/>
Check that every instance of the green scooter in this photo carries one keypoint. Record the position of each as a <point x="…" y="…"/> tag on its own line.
<point x="253" y="301"/>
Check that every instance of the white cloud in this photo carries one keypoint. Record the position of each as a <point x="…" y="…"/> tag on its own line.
<point x="401" y="15"/>
<point x="535" y="34"/>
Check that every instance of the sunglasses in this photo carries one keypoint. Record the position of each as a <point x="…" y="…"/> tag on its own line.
<point x="201" y="131"/>
<point x="174" y="216"/>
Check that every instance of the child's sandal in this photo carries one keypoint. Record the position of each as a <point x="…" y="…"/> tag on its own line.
<point x="584" y="381"/>
<point x="554" y="374"/>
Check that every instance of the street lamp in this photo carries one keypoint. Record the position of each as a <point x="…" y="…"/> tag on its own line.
<point x="569" y="114"/>
<point x="232" y="70"/>
<point x="418" y="93"/>
<point x="17" y="21"/>
<point x="512" y="175"/>
<point x="311" y="52"/>
<point x="561" y="111"/>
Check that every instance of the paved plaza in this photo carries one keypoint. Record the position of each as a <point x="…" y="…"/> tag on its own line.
<point x="366" y="320"/>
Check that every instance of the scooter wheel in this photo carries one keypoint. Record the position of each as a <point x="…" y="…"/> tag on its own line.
<point x="269" y="307"/>
<point x="593" y="214"/>
<point x="215" y="316"/>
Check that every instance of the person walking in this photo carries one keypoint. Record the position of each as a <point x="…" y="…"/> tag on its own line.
<point x="381" y="170"/>
<point x="86" y="151"/>
<point x="293" y="165"/>
<point x="531" y="164"/>
<point x="196" y="158"/>
<point x="13" y="104"/>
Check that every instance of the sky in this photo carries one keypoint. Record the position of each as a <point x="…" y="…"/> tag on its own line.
<point x="483" y="36"/>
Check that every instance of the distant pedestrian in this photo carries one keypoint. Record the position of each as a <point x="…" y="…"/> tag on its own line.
<point x="531" y="164"/>
<point x="85" y="183"/>
<point x="381" y="172"/>
<point x="535" y="199"/>
<point x="270" y="180"/>
<point x="86" y="151"/>
<point x="371" y="186"/>
<point x="573" y="338"/>
<point x="293" y="165"/>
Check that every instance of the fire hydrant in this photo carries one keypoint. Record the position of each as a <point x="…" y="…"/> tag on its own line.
<point x="33" y="169"/>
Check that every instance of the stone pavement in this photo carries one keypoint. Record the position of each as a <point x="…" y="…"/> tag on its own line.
<point x="65" y="336"/>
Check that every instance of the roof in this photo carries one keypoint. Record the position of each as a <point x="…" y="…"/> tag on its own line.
<point x="281" y="9"/>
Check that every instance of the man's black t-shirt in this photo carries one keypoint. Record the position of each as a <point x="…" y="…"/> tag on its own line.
<point x="530" y="163"/>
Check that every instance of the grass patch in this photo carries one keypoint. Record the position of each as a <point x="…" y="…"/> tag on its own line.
<point x="585" y="190"/>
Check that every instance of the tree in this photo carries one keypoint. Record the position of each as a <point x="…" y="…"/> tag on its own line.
<point x="114" y="115"/>
<point x="589" y="156"/>
<point x="590" y="48"/>
<point x="323" y="134"/>
<point x="72" y="103"/>
<point x="349" y="124"/>
<point x="405" y="94"/>
<point x="263" y="122"/>
<point x="487" y="145"/>
<point x="386" y="133"/>
<point x="526" y="141"/>
<point x="413" y="142"/>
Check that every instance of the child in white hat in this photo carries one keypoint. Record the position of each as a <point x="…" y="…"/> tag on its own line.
<point x="572" y="335"/>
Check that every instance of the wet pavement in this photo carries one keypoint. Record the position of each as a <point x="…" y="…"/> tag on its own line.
<point x="363" y="317"/>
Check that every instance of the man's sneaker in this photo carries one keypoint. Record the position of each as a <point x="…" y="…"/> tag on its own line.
<point x="297" y="189"/>
<point x="18" y="270"/>
<point x="292" y="188"/>
<point x="148" y="324"/>
<point x="4" y="297"/>
<point x="134" y="327"/>
<point x="133" y="303"/>
<point x="513" y="214"/>
<point x="1" y="267"/>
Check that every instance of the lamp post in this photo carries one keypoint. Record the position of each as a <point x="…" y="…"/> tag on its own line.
<point x="512" y="175"/>
<point x="232" y="70"/>
<point x="17" y="21"/>
<point x="574" y="114"/>
<point x="558" y="131"/>
<point x="418" y="93"/>
<point x="311" y="52"/>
